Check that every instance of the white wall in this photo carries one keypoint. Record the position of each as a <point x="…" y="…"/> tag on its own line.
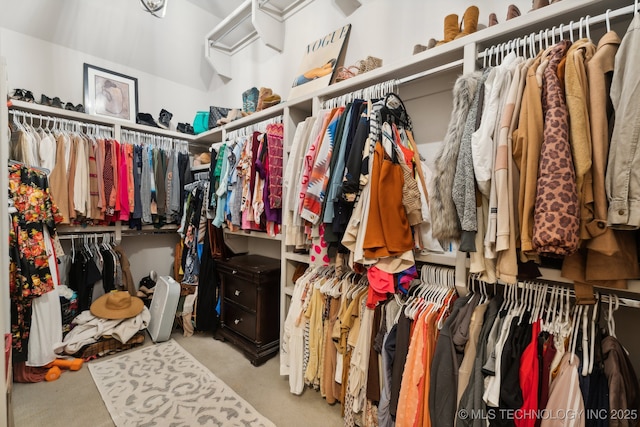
<point x="45" y="50"/>
<point x="54" y="70"/>
<point x="387" y="29"/>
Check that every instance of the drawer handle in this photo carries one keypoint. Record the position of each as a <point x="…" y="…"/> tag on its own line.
<point x="237" y="292"/>
<point x="237" y="321"/>
<point x="234" y="272"/>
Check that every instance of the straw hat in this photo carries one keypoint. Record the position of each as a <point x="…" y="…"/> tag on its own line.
<point x="202" y="159"/>
<point x="117" y="305"/>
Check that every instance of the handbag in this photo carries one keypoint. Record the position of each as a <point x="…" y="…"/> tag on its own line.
<point x="201" y="122"/>
<point x="215" y="114"/>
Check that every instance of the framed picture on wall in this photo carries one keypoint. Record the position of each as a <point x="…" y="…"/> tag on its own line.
<point x="110" y="94"/>
<point x="319" y="62"/>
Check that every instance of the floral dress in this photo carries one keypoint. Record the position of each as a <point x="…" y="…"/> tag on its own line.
<point x="30" y="275"/>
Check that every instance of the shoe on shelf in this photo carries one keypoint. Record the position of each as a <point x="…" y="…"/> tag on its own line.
<point x="537" y="4"/>
<point x="164" y="119"/>
<point x="56" y="102"/>
<point x="22" y="95"/>
<point x="469" y="23"/>
<point x="451" y="29"/>
<point x="185" y="128"/>
<point x="80" y="108"/>
<point x="270" y="101"/>
<point x="512" y="12"/>
<point x="344" y="73"/>
<point x="421" y="48"/>
<point x="146" y="119"/>
<point x="493" y="19"/>
<point x="262" y="94"/>
<point x="45" y="100"/>
<point x="250" y="100"/>
<point x="234" y="114"/>
<point x="69" y="106"/>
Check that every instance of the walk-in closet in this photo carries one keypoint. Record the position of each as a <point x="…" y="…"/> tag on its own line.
<point x="320" y="213"/>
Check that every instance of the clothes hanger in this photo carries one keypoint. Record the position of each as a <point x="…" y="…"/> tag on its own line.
<point x="585" y="341"/>
<point x="607" y="20"/>
<point x="594" y="317"/>
<point x="577" y="314"/>
<point x="586" y="27"/>
<point x="613" y="307"/>
<point x="571" y="31"/>
<point x="547" y="316"/>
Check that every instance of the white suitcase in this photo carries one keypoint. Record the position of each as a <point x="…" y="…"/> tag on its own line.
<point x="163" y="308"/>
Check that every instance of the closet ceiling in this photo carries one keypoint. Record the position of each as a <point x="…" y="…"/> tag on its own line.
<point x="120" y="31"/>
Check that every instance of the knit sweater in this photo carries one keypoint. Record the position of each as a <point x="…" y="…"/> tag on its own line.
<point x="464" y="187"/>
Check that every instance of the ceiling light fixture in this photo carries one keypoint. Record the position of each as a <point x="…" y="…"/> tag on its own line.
<point x="157" y="8"/>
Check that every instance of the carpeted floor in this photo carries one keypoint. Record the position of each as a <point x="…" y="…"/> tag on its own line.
<point x="165" y="385"/>
<point x="74" y="400"/>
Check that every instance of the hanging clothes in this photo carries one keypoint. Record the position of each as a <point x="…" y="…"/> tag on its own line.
<point x="30" y="271"/>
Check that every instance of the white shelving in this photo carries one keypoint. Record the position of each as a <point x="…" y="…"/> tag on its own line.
<point x="253" y="19"/>
<point x="292" y="256"/>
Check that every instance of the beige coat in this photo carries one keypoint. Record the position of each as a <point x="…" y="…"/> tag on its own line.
<point x="609" y="257"/>
<point x="527" y="142"/>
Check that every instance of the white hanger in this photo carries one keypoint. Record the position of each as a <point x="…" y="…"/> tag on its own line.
<point x="571" y="31"/>
<point x="585" y="341"/>
<point x="613" y="307"/>
<point x="588" y="30"/>
<point x="546" y="38"/>
<point x="577" y="314"/>
<point x="594" y="317"/>
<point x="547" y="316"/>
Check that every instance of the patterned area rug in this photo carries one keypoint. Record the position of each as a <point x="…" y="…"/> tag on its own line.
<point x="164" y="385"/>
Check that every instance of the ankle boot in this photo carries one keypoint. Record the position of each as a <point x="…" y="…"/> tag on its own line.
<point x="513" y="12"/>
<point x="493" y="19"/>
<point x="469" y="21"/>
<point x="262" y="94"/>
<point x="537" y="4"/>
<point x="451" y="29"/>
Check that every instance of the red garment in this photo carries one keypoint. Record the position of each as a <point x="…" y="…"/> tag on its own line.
<point x="109" y="183"/>
<point x="529" y="379"/>
<point x="380" y="283"/>
<point x="548" y="354"/>
<point x="123" y="180"/>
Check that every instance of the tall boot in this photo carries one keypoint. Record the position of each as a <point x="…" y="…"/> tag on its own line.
<point x="451" y="29"/>
<point x="469" y="21"/>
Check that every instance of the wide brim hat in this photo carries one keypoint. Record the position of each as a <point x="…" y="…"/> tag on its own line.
<point x="117" y="305"/>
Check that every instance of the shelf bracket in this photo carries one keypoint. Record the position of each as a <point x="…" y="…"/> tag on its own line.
<point x="269" y="29"/>
<point x="265" y="26"/>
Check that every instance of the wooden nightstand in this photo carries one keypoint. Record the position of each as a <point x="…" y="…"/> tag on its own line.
<point x="250" y="305"/>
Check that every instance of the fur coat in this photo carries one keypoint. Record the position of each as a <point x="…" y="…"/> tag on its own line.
<point x="445" y="222"/>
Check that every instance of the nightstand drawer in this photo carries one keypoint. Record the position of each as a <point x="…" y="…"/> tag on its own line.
<point x="240" y="291"/>
<point x="239" y="320"/>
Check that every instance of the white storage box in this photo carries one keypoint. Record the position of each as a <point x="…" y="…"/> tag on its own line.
<point x="163" y="308"/>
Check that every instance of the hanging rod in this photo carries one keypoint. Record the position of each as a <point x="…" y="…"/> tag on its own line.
<point x="56" y="120"/>
<point x="155" y="139"/>
<point x="82" y="236"/>
<point x="254" y="127"/>
<point x="530" y="40"/>
<point x="604" y="293"/>
<point x="378" y="90"/>
<point x="442" y="68"/>
<point x="37" y="168"/>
